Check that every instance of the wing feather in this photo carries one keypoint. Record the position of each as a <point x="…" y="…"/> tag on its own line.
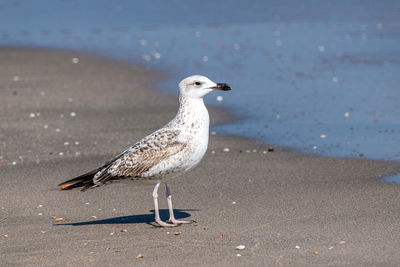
<point x="142" y="156"/>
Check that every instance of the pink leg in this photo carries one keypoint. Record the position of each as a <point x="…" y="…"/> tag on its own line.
<point x="171" y="210"/>
<point x="156" y="211"/>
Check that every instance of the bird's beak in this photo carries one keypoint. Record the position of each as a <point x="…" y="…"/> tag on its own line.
<point x="221" y="87"/>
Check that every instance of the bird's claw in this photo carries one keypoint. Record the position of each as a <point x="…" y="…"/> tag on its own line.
<point x="166" y="224"/>
<point x="178" y="222"/>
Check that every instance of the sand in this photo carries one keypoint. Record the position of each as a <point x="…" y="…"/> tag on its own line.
<point x="61" y="116"/>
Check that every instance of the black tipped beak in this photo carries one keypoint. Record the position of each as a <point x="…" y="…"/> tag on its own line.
<point x="222" y="87"/>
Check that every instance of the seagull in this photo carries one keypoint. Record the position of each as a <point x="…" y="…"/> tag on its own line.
<point x="166" y="153"/>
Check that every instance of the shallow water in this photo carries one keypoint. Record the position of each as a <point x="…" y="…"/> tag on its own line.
<point x="393" y="179"/>
<point x="318" y="77"/>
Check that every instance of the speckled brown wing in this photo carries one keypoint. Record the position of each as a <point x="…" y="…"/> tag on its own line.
<point x="142" y="156"/>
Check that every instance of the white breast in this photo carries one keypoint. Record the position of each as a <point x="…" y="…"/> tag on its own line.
<point x="192" y="121"/>
<point x="194" y="124"/>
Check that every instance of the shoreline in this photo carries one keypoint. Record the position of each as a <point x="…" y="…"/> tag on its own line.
<point x="271" y="202"/>
<point x="223" y="115"/>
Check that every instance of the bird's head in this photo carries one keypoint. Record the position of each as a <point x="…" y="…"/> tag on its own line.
<point x="198" y="86"/>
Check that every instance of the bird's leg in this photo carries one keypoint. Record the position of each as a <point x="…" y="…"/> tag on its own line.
<point x="156" y="211"/>
<point x="171" y="210"/>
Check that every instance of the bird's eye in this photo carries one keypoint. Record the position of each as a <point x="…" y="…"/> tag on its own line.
<point x="197" y="83"/>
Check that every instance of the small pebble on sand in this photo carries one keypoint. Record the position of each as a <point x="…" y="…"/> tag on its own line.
<point x="226" y="149"/>
<point x="316" y="253"/>
<point x="139" y="256"/>
<point x="124" y="231"/>
<point x="240" y="247"/>
<point x="75" y="60"/>
<point x="297" y="247"/>
<point x="177" y="233"/>
<point x="16" y="78"/>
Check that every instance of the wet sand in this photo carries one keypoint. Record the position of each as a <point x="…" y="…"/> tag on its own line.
<point x="61" y="116"/>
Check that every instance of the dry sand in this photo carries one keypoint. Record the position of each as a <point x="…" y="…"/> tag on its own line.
<point x="287" y="208"/>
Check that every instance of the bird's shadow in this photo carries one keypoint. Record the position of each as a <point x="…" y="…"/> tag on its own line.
<point x="140" y="218"/>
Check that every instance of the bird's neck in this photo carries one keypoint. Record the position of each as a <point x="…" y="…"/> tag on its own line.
<point x="191" y="109"/>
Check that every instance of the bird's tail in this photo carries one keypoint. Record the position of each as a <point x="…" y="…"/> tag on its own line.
<point x="85" y="181"/>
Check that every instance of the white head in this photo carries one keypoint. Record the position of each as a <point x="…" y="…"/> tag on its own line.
<point x="198" y="86"/>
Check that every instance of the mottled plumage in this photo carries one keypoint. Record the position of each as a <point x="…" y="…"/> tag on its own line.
<point x="177" y="147"/>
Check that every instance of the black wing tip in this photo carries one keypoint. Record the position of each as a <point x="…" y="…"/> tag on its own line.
<point x="85" y="184"/>
<point x="69" y="186"/>
<point x="85" y="181"/>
